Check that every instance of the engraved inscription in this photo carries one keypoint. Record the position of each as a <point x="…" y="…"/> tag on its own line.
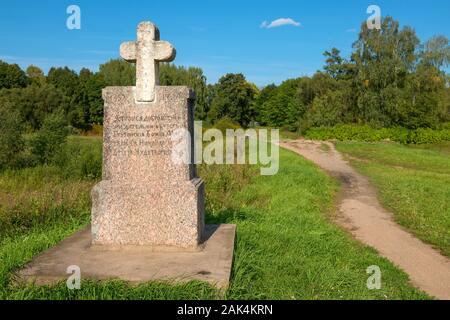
<point x="143" y="135"/>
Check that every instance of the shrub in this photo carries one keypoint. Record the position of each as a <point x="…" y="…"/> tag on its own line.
<point x="80" y="159"/>
<point x="347" y="133"/>
<point x="97" y="130"/>
<point x="399" y="134"/>
<point x="327" y="110"/>
<point x="11" y="142"/>
<point x="445" y="126"/>
<point x="222" y="183"/>
<point x="49" y="139"/>
<point x="369" y="134"/>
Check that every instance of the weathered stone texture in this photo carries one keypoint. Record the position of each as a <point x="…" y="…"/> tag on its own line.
<point x="145" y="198"/>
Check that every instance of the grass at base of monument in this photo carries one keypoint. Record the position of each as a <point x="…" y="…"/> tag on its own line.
<point x="413" y="182"/>
<point x="286" y="246"/>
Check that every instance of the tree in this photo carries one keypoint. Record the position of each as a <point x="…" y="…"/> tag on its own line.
<point x="266" y="94"/>
<point x="11" y="76"/>
<point x="171" y="75"/>
<point x="84" y="75"/>
<point x="327" y="110"/>
<point x="436" y="52"/>
<point x="424" y="100"/>
<point x="383" y="59"/>
<point x="118" y="72"/>
<point x="34" y="103"/>
<point x="11" y="141"/>
<point x="65" y="80"/>
<point x="93" y="90"/>
<point x="337" y="67"/>
<point x="235" y="99"/>
<point x="35" y="75"/>
<point x="87" y="106"/>
<point x="211" y="94"/>
<point x="281" y="109"/>
<point x="78" y="115"/>
<point x="50" y="138"/>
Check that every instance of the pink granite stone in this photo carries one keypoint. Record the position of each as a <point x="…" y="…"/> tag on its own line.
<point x="145" y="198"/>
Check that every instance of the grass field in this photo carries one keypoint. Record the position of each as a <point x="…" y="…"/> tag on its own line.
<point x="413" y="183"/>
<point x="287" y="246"/>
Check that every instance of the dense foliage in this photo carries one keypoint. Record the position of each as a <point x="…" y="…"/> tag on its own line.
<point x="370" y="134"/>
<point x="234" y="98"/>
<point x="11" y="141"/>
<point x="390" y="80"/>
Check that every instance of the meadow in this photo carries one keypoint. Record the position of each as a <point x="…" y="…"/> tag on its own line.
<point x="287" y="245"/>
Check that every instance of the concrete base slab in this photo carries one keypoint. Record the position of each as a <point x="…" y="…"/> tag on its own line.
<point x="211" y="262"/>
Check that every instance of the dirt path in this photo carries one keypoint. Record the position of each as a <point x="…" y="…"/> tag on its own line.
<point x="365" y="218"/>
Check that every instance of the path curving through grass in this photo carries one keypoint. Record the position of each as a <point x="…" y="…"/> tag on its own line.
<point x="362" y="214"/>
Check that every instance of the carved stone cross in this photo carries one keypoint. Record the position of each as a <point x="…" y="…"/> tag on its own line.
<point x="147" y="52"/>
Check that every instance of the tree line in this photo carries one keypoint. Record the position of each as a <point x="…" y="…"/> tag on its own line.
<point x="390" y="79"/>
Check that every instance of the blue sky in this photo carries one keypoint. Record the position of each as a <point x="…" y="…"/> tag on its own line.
<point x="217" y="35"/>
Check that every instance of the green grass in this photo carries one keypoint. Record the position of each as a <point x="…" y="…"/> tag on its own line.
<point x="442" y="147"/>
<point x="413" y="183"/>
<point x="286" y="246"/>
<point x="285" y="134"/>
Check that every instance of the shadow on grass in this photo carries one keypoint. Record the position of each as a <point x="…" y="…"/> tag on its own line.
<point x="228" y="215"/>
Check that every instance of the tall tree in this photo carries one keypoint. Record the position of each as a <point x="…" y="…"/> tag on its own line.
<point x="121" y="73"/>
<point x="436" y="52"/>
<point x="234" y="99"/>
<point x="281" y="108"/>
<point x="65" y="80"/>
<point x="93" y="90"/>
<point x="11" y="76"/>
<point x="424" y="101"/>
<point x="171" y="75"/>
<point x="34" y="103"/>
<point x="11" y="140"/>
<point x="118" y="72"/>
<point x="35" y="75"/>
<point x="383" y="60"/>
<point x="261" y="113"/>
<point x="338" y="67"/>
<point x="87" y="106"/>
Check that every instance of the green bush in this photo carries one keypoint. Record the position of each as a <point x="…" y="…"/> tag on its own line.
<point x="226" y="123"/>
<point x="368" y="134"/>
<point x="80" y="160"/>
<point x="49" y="140"/>
<point x="347" y="133"/>
<point x="445" y="126"/>
<point x="11" y="141"/>
<point x="399" y="134"/>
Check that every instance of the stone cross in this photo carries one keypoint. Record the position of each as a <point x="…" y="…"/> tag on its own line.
<point x="148" y="219"/>
<point x="147" y="52"/>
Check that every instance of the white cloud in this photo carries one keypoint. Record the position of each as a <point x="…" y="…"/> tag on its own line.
<point x="280" y="22"/>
